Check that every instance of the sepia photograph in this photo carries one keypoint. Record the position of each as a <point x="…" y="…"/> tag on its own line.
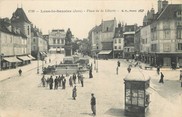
<point x="90" y="58"/>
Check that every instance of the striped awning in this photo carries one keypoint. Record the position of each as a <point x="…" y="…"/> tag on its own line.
<point x="105" y="52"/>
<point x="12" y="59"/>
<point x="24" y="58"/>
<point x="30" y="56"/>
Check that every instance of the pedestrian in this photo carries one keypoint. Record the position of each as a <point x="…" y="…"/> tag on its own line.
<point x="20" y="72"/>
<point x="47" y="81"/>
<point x="56" y="83"/>
<point x="81" y="79"/>
<point x="93" y="104"/>
<point x="158" y="70"/>
<point x="129" y="69"/>
<point x="50" y="82"/>
<point x="74" y="93"/>
<point x="117" y="70"/>
<point x="162" y="78"/>
<point x="90" y="73"/>
<point x="71" y="81"/>
<point x="181" y="77"/>
<point x="64" y="83"/>
<point x="43" y="80"/>
<point x="74" y="78"/>
<point x="78" y="76"/>
<point x="118" y="64"/>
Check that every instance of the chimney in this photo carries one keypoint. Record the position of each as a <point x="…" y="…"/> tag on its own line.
<point x="164" y="4"/>
<point x="159" y="5"/>
<point x="119" y="24"/>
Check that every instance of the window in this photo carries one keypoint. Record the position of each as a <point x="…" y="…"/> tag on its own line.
<point x="54" y="41"/>
<point x="62" y="41"/>
<point x="115" y="40"/>
<point x="107" y="29"/>
<point x="179" y="46"/>
<point x="34" y="40"/>
<point x="115" y="47"/>
<point x="166" y="34"/>
<point x="119" y="47"/>
<point x="119" y="40"/>
<point x="166" y="47"/>
<point x="179" y="33"/>
<point x="153" y="47"/>
<point x="28" y="29"/>
<point x="58" y="41"/>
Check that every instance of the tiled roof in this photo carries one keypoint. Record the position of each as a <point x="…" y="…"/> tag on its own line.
<point x="4" y="28"/>
<point x="19" y="16"/>
<point x="170" y="11"/>
<point x="97" y="28"/>
<point x="118" y="32"/>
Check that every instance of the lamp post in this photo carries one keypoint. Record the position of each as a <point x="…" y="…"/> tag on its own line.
<point x="1" y="56"/>
<point x="38" y="56"/>
<point x="97" y="70"/>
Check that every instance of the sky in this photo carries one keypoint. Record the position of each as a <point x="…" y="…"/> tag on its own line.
<point x="79" y="15"/>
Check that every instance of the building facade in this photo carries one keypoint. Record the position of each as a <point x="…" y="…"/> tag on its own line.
<point x="56" y="40"/>
<point x="118" y="42"/>
<point x="39" y="44"/>
<point x="161" y="37"/>
<point x="13" y="46"/>
<point x="20" y="20"/>
<point x="102" y="38"/>
<point x="128" y="49"/>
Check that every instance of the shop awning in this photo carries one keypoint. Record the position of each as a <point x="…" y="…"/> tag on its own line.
<point x="30" y="56"/>
<point x="105" y="52"/>
<point x="12" y="59"/>
<point x="24" y="58"/>
<point x="52" y="49"/>
<point x="44" y="53"/>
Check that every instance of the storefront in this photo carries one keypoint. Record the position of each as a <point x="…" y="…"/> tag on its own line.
<point x="10" y="62"/>
<point x="105" y="54"/>
<point x="25" y="60"/>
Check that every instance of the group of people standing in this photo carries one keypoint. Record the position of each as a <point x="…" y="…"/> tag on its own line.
<point x="60" y="81"/>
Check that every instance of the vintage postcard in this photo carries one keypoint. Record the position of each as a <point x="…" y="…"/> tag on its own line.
<point x="83" y="58"/>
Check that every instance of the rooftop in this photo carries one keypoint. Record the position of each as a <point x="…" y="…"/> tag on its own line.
<point x="19" y="16"/>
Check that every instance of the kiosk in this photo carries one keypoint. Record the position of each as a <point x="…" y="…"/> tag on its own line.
<point x="137" y="97"/>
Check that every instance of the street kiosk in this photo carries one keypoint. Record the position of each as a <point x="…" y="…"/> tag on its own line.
<point x="137" y="96"/>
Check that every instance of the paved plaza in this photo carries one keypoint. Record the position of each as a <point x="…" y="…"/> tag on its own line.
<point x="24" y="96"/>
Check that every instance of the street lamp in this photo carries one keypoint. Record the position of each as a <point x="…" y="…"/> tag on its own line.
<point x="97" y="65"/>
<point x="1" y="58"/>
<point x="38" y="57"/>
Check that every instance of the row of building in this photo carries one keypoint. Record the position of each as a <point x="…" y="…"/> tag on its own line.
<point x="21" y="42"/>
<point x="157" y="42"/>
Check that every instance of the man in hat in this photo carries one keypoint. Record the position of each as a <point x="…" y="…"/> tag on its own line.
<point x="93" y="104"/>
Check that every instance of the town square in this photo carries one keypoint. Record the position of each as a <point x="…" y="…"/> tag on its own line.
<point x="91" y="58"/>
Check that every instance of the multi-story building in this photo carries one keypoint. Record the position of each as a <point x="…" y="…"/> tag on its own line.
<point x="129" y="32"/>
<point x="57" y="40"/>
<point x="96" y="40"/>
<point x="161" y="36"/>
<point x="102" y="38"/>
<point x="118" y="42"/>
<point x="20" y="20"/>
<point x="137" y="44"/>
<point x="39" y="44"/>
<point x="13" y="45"/>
